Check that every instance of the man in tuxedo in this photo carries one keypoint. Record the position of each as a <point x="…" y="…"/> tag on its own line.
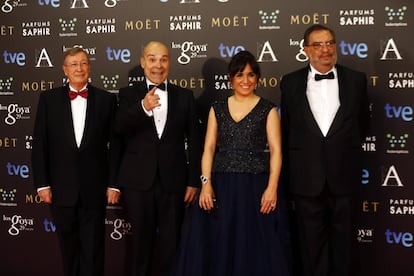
<point x="324" y="114"/>
<point x="70" y="161"/>
<point x="160" y="168"/>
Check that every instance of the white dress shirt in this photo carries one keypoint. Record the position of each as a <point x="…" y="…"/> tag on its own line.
<point x="323" y="97"/>
<point x="160" y="112"/>
<point x="78" y="106"/>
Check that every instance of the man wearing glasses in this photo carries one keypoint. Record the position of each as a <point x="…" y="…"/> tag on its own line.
<point x="70" y="156"/>
<point x="325" y="114"/>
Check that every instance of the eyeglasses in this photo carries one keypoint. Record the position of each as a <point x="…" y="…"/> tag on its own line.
<point x="76" y="65"/>
<point x="318" y="45"/>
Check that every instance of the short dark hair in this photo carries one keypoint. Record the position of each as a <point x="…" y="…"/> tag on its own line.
<point x="73" y="51"/>
<point x="239" y="62"/>
<point x="316" y="27"/>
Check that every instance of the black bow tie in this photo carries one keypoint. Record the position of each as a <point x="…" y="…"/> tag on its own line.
<point x="160" y="86"/>
<point x="319" y="77"/>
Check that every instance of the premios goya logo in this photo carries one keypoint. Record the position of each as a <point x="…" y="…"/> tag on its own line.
<point x="365" y="235"/>
<point x="91" y="51"/>
<point x="18" y="224"/>
<point x="9" y="5"/>
<point x="189" y="50"/>
<point x="15" y="112"/>
<point x="112" y="3"/>
<point x="121" y="227"/>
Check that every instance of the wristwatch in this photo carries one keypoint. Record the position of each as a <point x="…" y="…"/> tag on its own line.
<point x="204" y="179"/>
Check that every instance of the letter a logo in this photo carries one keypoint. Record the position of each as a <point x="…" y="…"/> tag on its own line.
<point x="392" y="179"/>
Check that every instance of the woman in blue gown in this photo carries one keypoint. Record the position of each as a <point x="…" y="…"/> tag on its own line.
<point x="239" y="226"/>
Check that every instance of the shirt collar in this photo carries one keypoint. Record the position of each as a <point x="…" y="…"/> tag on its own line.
<point x="151" y="83"/>
<point x="73" y="89"/>
<point x="314" y="71"/>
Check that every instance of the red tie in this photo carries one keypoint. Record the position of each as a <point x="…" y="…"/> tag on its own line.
<point x="83" y="93"/>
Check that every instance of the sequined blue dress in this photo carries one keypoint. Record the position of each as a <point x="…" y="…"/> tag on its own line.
<point x="237" y="240"/>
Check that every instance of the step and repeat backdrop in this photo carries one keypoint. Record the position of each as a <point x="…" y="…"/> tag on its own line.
<point x="375" y="37"/>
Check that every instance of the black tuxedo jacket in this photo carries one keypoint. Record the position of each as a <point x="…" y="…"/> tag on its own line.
<point x="310" y="159"/>
<point x="73" y="173"/>
<point x="144" y="153"/>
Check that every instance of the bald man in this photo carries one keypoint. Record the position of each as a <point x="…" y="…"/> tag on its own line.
<point x="160" y="168"/>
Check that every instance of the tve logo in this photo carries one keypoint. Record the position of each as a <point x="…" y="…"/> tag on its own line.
<point x="229" y="51"/>
<point x="403" y="238"/>
<point x="52" y="3"/>
<point x="118" y="54"/>
<point x="365" y="177"/>
<point x="18" y="58"/>
<point x="49" y="226"/>
<point x="19" y="170"/>
<point x="351" y="49"/>
<point x="403" y="112"/>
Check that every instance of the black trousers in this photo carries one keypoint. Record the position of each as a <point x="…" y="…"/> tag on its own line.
<point x="81" y="234"/>
<point x="156" y="218"/>
<point x="324" y="226"/>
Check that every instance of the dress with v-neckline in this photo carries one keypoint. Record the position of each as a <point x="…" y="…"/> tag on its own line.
<point x="247" y="114"/>
<point x="237" y="239"/>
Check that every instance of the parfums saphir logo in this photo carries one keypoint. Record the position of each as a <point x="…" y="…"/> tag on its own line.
<point x="36" y="28"/>
<point x="185" y="22"/>
<point x="100" y="25"/>
<point x="356" y="17"/>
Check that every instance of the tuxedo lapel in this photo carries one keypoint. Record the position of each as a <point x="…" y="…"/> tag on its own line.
<point x="343" y="99"/>
<point x="170" y="108"/>
<point x="69" y="132"/>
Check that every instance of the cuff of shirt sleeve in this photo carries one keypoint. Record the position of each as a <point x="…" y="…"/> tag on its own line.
<point x="43" y="188"/>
